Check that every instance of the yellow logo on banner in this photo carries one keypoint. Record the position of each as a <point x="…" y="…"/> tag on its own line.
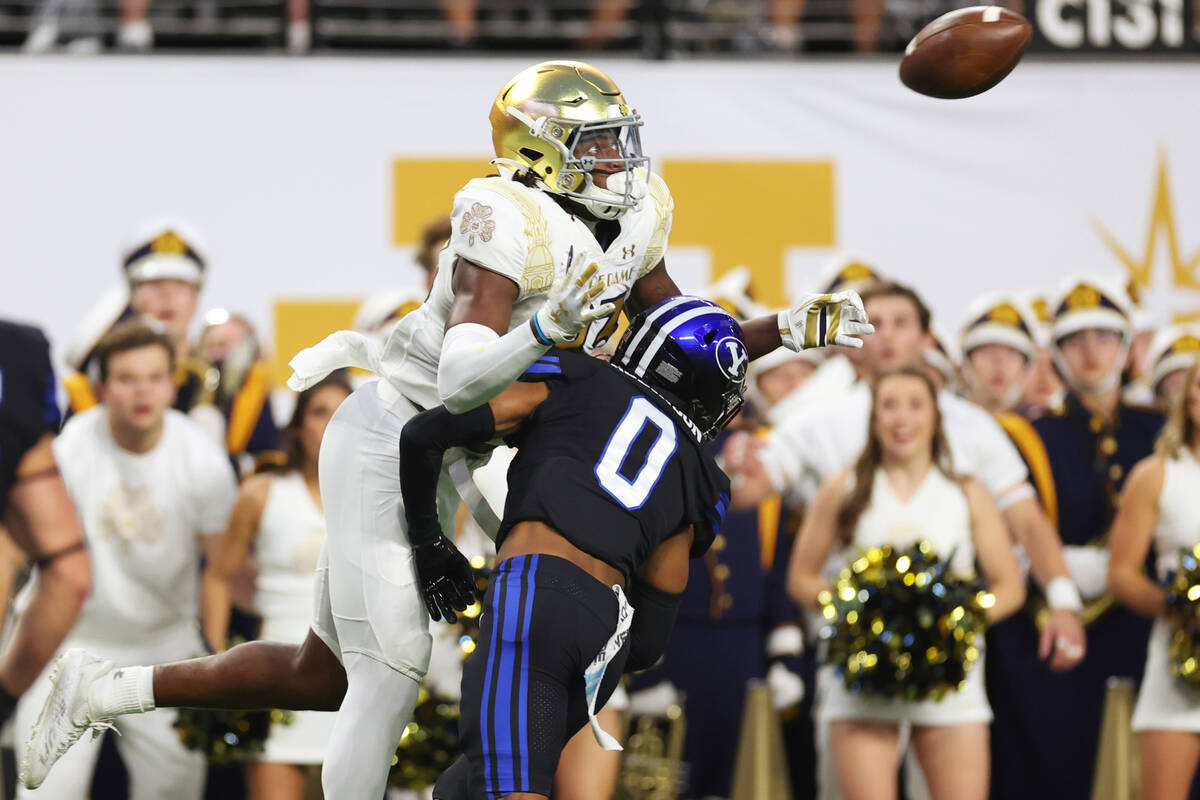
<point x="301" y="323"/>
<point x="1183" y="269"/>
<point x="751" y="212"/>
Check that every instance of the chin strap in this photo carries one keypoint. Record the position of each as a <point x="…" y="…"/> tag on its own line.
<point x="1011" y="396"/>
<point x="1106" y="384"/>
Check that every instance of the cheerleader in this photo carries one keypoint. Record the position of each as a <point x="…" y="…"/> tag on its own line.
<point x="280" y="514"/>
<point x="1161" y="505"/>
<point x="902" y="491"/>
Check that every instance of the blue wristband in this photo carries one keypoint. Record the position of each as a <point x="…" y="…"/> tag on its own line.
<point x="537" y="332"/>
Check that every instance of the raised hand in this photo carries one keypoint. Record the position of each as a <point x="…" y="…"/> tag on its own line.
<point x="570" y="304"/>
<point x="819" y="320"/>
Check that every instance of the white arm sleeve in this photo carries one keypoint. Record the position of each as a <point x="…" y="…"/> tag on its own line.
<point x="477" y="363"/>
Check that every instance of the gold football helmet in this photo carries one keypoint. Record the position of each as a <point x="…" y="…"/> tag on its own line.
<point x="559" y="121"/>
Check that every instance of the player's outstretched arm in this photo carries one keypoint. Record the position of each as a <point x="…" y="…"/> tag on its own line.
<point x="817" y="320"/>
<point x="445" y="576"/>
<point x="761" y="335"/>
<point x="480" y="356"/>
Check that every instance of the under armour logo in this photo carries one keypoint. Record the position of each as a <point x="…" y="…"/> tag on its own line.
<point x="118" y="675"/>
<point x="628" y="251"/>
<point x="732" y="358"/>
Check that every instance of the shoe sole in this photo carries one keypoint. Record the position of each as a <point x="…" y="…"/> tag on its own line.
<point x="62" y="685"/>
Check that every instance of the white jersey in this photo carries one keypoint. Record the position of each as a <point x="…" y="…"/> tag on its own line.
<point x="526" y="236"/>
<point x="144" y="516"/>
<point x="804" y="450"/>
<point x="287" y="548"/>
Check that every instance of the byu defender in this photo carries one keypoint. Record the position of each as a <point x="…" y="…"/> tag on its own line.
<point x="611" y="490"/>
<point x="547" y="253"/>
<point x="36" y="510"/>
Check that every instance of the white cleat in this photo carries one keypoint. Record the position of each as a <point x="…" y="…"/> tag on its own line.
<point x="66" y="715"/>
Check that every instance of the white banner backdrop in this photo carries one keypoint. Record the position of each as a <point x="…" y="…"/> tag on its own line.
<point x="287" y="168"/>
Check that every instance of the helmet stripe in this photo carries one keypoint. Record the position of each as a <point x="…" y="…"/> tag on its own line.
<point x="666" y="329"/>
<point x="675" y="302"/>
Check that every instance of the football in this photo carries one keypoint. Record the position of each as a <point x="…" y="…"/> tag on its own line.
<point x="965" y="52"/>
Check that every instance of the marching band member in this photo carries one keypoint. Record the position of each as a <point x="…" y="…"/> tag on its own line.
<point x="1045" y="389"/>
<point x="1171" y="353"/>
<point x="1047" y="724"/>
<point x="164" y="267"/>
<point x="228" y="345"/>
<point x="999" y="351"/>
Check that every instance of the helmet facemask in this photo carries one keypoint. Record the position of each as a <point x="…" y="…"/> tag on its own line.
<point x="713" y="421"/>
<point x="586" y="147"/>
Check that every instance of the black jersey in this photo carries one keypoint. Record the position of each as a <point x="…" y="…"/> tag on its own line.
<point x="28" y="409"/>
<point x="610" y="466"/>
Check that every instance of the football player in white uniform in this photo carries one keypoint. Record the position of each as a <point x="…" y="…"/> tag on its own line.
<point x="547" y="253"/>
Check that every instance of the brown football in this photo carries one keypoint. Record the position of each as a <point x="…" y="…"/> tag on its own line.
<point x="965" y="52"/>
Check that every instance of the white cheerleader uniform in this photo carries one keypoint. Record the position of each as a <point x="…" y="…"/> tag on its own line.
<point x="937" y="513"/>
<point x="1164" y="703"/>
<point x="287" y="547"/>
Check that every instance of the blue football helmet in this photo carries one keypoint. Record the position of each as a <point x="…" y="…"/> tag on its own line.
<point x="693" y="353"/>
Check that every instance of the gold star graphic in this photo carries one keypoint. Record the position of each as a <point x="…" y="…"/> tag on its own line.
<point x="1182" y="273"/>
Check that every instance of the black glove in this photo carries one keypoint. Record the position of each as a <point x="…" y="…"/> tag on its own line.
<point x="8" y="704"/>
<point x="447" y="582"/>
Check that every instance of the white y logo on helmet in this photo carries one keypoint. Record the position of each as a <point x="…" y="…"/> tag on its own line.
<point x="732" y="358"/>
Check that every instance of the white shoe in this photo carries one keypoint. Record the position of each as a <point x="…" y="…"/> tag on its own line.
<point x="66" y="714"/>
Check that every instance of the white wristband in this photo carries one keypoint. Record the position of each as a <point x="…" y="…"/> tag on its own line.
<point x="1063" y="595"/>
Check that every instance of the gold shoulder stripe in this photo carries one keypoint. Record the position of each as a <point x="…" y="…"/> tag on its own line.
<point x="539" y="260"/>
<point x="247" y="406"/>
<point x="768" y="529"/>
<point x="1027" y="440"/>
<point x="80" y="394"/>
